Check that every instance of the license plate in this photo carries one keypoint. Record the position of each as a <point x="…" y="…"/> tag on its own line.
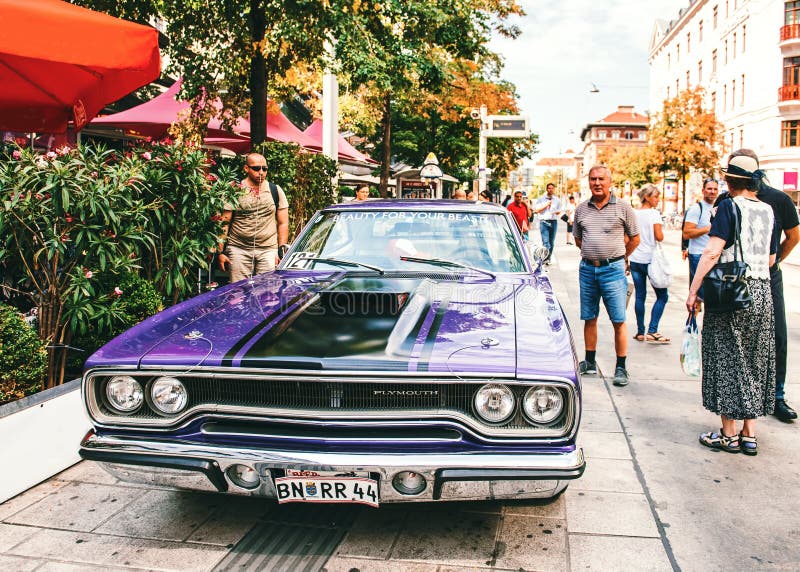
<point x="326" y="489"/>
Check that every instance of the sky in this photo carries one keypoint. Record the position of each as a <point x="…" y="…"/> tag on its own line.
<point x="565" y="47"/>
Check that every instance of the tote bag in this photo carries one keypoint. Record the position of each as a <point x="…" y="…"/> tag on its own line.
<point x="659" y="271"/>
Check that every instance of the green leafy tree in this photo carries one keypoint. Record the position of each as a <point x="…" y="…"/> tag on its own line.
<point x="686" y="136"/>
<point x="233" y="50"/>
<point x="637" y="165"/>
<point x="399" y="48"/>
<point x="23" y="358"/>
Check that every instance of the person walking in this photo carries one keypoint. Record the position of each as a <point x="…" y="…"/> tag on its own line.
<point x="738" y="347"/>
<point x="570" y="212"/>
<point x="696" y="225"/>
<point x="521" y="212"/>
<point x="607" y="233"/>
<point x="548" y="207"/>
<point x="651" y="233"/>
<point x="255" y="233"/>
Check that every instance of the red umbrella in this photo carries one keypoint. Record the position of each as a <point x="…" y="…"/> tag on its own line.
<point x="60" y="62"/>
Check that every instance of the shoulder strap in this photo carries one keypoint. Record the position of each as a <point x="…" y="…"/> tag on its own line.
<point x="737" y="227"/>
<point x="273" y="188"/>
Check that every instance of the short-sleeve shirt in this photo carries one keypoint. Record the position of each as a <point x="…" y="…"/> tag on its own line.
<point x="254" y="222"/>
<point x="602" y="231"/>
<point x="782" y="207"/>
<point x="646" y="218"/>
<point x="699" y="214"/>
<point x="550" y="212"/>
<point x="757" y="233"/>
<point x="520" y="212"/>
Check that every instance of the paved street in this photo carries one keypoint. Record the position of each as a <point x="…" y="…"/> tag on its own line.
<point x="651" y="499"/>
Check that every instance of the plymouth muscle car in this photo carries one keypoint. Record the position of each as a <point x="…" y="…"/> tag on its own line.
<point x="401" y="351"/>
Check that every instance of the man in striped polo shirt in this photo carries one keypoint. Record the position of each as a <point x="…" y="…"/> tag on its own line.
<point x="606" y="231"/>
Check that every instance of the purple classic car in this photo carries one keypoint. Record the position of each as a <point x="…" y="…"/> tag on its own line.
<point x="402" y="351"/>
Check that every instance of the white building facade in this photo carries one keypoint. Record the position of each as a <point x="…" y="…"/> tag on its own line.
<point x="746" y="54"/>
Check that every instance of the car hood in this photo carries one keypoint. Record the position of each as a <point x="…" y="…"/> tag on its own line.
<point x="505" y="327"/>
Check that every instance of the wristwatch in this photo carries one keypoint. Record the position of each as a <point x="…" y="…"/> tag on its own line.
<point x="282" y="249"/>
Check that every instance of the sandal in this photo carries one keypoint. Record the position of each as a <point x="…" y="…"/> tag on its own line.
<point x="656" y="338"/>
<point x="639" y="337"/>
<point x="748" y="444"/>
<point x="715" y="440"/>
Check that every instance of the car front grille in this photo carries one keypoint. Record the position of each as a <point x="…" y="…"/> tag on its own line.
<point x="339" y="399"/>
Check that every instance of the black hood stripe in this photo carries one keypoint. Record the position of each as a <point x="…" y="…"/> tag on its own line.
<point x="430" y="340"/>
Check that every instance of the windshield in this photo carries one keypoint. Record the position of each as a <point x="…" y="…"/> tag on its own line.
<point x="383" y="238"/>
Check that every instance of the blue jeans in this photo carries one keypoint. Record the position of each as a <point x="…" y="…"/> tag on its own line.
<point x="606" y="282"/>
<point x="548" y="228"/>
<point x="693" y="260"/>
<point x="639" y="274"/>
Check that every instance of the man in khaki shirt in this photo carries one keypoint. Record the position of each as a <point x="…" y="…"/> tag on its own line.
<point x="256" y="232"/>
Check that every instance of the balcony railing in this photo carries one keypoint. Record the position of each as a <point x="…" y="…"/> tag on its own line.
<point x="790" y="32"/>
<point x="789" y="93"/>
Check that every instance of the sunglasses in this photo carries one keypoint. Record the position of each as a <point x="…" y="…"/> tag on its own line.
<point x="257" y="168"/>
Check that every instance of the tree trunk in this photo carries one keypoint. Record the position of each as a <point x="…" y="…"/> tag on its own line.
<point x="386" y="125"/>
<point x="258" y="76"/>
<point x="49" y="330"/>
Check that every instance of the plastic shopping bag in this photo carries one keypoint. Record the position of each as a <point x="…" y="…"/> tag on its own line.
<point x="691" y="360"/>
<point x="659" y="271"/>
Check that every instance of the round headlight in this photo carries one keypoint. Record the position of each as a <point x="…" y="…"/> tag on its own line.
<point x="494" y="403"/>
<point x="124" y="393"/>
<point x="169" y="395"/>
<point x="542" y="404"/>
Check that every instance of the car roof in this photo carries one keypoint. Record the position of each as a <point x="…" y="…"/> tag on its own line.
<point x="447" y="205"/>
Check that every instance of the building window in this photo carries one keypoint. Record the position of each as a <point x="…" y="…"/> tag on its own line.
<point x="733" y="94"/>
<point x="716" y="13"/>
<point x="687" y="79"/>
<point x="791" y="13"/>
<point x="744" y="37"/>
<point x="669" y="61"/>
<point x="791" y="71"/>
<point x="700" y="32"/>
<point x="642" y="134"/>
<point x="731" y="140"/>
<point x="629" y="135"/>
<point x="700" y="71"/>
<point x="733" y="53"/>
<point x="726" y="52"/>
<point x="667" y="92"/>
<point x="741" y="138"/>
<point x="615" y="134"/>
<point x="714" y="102"/>
<point x="677" y="53"/>
<point x="677" y="87"/>
<point x="724" y="98"/>
<point x="741" y="88"/>
<point x="601" y="135"/>
<point x="727" y="12"/>
<point x="790" y="133"/>
<point x="688" y="42"/>
<point x="713" y="62"/>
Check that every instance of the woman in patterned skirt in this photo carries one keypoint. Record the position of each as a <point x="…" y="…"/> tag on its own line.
<point x="738" y="348"/>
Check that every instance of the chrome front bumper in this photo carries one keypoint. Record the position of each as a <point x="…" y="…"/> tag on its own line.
<point x="462" y="476"/>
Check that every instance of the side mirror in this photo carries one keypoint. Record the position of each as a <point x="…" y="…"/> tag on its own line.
<point x="539" y="253"/>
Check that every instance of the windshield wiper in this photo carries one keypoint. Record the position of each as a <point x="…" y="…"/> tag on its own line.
<point x="340" y="262"/>
<point x="449" y="263"/>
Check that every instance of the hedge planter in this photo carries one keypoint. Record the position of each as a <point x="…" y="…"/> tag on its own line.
<point x="40" y="437"/>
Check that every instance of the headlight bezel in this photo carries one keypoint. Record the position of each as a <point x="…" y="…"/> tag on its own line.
<point x="151" y="398"/>
<point x="110" y="403"/>
<point x="504" y="420"/>
<point x="528" y="395"/>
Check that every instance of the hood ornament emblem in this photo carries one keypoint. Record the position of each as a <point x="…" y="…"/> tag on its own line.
<point x="489" y="342"/>
<point x="193" y="335"/>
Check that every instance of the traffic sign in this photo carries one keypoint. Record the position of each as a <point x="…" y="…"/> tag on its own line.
<point x="506" y="126"/>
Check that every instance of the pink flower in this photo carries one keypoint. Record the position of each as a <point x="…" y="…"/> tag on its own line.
<point x="50" y="155"/>
<point x="88" y="274"/>
<point x="63" y="150"/>
<point x="117" y="291"/>
<point x="211" y="177"/>
<point x="38" y="197"/>
<point x="94" y="174"/>
<point x="147" y="156"/>
<point x="16" y="154"/>
<point x="68" y="217"/>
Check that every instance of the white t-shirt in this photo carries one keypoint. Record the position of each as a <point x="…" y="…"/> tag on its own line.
<point x="646" y="219"/>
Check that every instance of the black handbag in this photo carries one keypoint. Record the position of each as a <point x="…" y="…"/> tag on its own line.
<point x="724" y="287"/>
<point x="565" y="217"/>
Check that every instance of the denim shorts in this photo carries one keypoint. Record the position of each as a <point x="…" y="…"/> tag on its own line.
<point x="606" y="282"/>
